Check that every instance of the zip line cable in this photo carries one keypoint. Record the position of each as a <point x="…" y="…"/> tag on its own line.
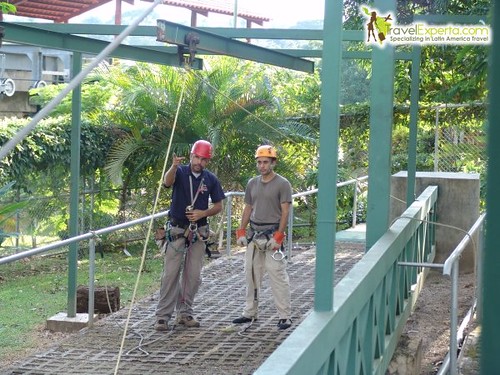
<point x="77" y="80"/>
<point x="148" y="235"/>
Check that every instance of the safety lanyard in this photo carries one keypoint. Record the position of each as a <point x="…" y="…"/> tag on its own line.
<point x="197" y="191"/>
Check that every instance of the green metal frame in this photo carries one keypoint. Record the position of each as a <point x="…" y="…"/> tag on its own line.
<point x="174" y="33"/>
<point x="490" y="332"/>
<point x="76" y="107"/>
<point x="39" y="36"/>
<point x="373" y="302"/>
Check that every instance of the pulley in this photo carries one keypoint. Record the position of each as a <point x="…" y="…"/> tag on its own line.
<point x="7" y="86"/>
<point x="39" y="84"/>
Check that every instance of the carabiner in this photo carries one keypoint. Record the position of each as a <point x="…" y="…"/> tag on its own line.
<point x="278" y="255"/>
<point x="193" y="227"/>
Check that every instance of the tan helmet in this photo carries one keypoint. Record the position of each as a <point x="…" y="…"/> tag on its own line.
<point x="266" y="151"/>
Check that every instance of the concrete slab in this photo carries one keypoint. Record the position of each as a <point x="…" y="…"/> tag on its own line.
<point x="356" y="234"/>
<point x="62" y="323"/>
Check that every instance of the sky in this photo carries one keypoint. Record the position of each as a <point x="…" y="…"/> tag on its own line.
<point x="283" y="13"/>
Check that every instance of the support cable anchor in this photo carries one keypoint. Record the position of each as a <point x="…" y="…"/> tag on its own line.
<point x="187" y="52"/>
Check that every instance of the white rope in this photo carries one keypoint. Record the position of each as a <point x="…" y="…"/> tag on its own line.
<point x="20" y="135"/>
<point x="148" y="235"/>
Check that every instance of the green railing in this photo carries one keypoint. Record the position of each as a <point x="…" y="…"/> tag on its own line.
<point x="371" y="304"/>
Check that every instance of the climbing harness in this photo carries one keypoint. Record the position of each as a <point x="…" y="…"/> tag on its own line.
<point x="261" y="240"/>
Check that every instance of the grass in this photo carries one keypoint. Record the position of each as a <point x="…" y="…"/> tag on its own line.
<point x="33" y="290"/>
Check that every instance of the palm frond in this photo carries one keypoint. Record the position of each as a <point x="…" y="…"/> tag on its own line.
<point x="118" y="155"/>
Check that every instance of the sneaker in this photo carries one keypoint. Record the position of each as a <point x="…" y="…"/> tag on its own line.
<point x="161" y="325"/>
<point x="242" y="319"/>
<point x="188" y="321"/>
<point x="284" y="323"/>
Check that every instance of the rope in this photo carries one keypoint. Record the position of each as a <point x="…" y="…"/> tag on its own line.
<point x="148" y="235"/>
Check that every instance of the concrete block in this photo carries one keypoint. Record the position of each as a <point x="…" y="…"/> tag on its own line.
<point x="62" y="323"/>
<point x="457" y="206"/>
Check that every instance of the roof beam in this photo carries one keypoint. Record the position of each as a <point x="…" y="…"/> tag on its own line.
<point x="174" y="33"/>
<point x="44" y="38"/>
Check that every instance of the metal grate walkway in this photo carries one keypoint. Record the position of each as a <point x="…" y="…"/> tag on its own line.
<point x="217" y="347"/>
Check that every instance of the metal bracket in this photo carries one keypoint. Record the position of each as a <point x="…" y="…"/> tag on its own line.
<point x="187" y="52"/>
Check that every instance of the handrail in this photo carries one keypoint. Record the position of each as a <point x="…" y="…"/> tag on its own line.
<point x="451" y="268"/>
<point x="89" y="235"/>
<point x="457" y="253"/>
<point x="229" y="195"/>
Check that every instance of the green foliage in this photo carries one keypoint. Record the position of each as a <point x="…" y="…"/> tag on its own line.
<point x="7" y="210"/>
<point x="7" y="8"/>
<point x="47" y="151"/>
<point x="96" y="94"/>
<point x="229" y="104"/>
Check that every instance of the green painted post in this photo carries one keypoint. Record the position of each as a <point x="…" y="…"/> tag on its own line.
<point x="75" y="181"/>
<point x="490" y="332"/>
<point x="381" y="119"/>
<point x="328" y="146"/>
<point x="412" y="141"/>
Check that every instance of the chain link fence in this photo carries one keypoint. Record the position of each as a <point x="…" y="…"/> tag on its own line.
<point x="459" y="146"/>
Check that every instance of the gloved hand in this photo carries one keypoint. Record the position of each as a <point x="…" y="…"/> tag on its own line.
<point x="241" y="237"/>
<point x="275" y="242"/>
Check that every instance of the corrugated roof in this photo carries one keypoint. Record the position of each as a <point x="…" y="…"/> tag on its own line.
<point x="214" y="6"/>
<point x="59" y="11"/>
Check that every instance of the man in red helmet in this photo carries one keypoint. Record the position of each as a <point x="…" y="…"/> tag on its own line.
<point x="267" y="204"/>
<point x="192" y="187"/>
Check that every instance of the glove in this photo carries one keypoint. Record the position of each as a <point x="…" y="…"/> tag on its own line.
<point x="241" y="237"/>
<point x="275" y="242"/>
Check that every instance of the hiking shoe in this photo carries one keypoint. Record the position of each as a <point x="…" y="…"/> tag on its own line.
<point x="188" y="321"/>
<point x="284" y="323"/>
<point x="161" y="325"/>
<point x="242" y="319"/>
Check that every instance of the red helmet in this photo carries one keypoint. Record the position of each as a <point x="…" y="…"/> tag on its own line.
<point x="202" y="149"/>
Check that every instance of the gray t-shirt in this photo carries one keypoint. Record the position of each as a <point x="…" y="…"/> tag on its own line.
<point x="266" y="198"/>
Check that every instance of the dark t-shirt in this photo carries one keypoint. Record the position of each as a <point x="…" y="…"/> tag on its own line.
<point x="183" y="191"/>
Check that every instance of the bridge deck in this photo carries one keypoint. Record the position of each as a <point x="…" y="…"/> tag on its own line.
<point x="217" y="347"/>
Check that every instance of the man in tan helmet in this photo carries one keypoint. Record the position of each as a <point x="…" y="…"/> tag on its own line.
<point x="267" y="203"/>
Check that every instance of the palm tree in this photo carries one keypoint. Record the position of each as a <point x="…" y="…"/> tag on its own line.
<point x="231" y="105"/>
